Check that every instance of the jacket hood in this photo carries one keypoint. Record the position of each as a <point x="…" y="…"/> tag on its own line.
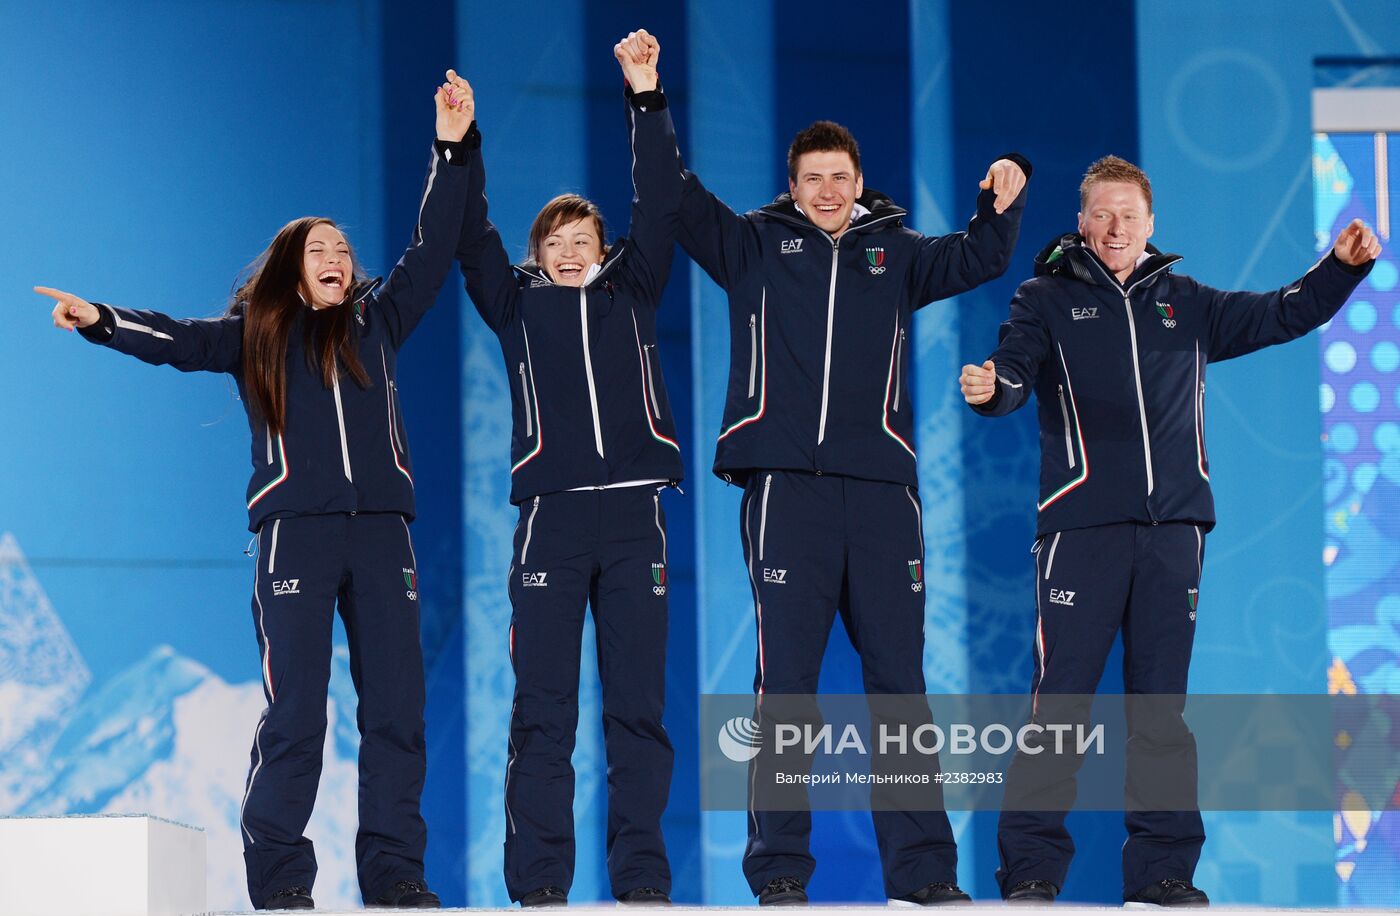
<point x="879" y="205"/>
<point x="1067" y="256"/>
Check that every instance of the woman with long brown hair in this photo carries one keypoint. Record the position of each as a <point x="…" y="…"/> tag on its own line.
<point x="312" y="346"/>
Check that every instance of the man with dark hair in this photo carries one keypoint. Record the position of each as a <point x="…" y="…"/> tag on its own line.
<point x="1115" y="347"/>
<point x="818" y="429"/>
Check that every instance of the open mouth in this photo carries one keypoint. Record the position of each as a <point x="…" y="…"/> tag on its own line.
<point x="569" y="271"/>
<point x="332" y="280"/>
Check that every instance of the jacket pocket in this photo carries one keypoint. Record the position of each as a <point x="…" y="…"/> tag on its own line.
<point x="525" y="401"/>
<point x="649" y="356"/>
<point x="753" y="353"/>
<point x="1064" y="417"/>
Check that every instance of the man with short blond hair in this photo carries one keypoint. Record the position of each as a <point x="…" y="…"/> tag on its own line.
<point x="1115" y="347"/>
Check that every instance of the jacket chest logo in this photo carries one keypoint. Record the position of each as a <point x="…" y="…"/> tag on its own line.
<point x="360" y="313"/>
<point x="875" y="259"/>
<point x="1079" y="314"/>
<point x="1168" y="314"/>
<point x="792" y="246"/>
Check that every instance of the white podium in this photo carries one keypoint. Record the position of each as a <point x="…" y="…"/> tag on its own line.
<point x="116" y="865"/>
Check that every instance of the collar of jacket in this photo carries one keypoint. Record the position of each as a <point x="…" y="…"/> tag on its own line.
<point x="881" y="208"/>
<point x="534" y="271"/>
<point x="1068" y="256"/>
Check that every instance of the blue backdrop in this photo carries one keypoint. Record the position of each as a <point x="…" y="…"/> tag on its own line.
<point x="154" y="147"/>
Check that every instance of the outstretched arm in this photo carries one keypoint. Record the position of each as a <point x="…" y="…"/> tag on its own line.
<point x="413" y="284"/>
<point x="190" y="345"/>
<point x="950" y="264"/>
<point x="1004" y="381"/>
<point x="656" y="164"/>
<point x="1242" y="322"/>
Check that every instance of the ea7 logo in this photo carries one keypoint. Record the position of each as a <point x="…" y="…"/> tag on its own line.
<point x="534" y="580"/>
<point x="792" y="246"/>
<point x="775" y="576"/>
<point x="1079" y="314"/>
<point x="1060" y="596"/>
<point x="287" y="587"/>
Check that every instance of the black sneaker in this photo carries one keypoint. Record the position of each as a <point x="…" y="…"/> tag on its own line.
<point x="1168" y="892"/>
<point x="406" y="895"/>
<point x="939" y="893"/>
<point x="290" y="898"/>
<point x="1036" y="891"/>
<point x="644" y="896"/>
<point x="545" y="896"/>
<point x="783" y="892"/>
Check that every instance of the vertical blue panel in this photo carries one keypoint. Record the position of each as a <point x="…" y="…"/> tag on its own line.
<point x="418" y="44"/>
<point x="1055" y="106"/>
<point x="1226" y="138"/>
<point x="533" y="115"/>
<point x="862" y="82"/>
<point x="610" y="185"/>
<point x="732" y="148"/>
<point x="941" y="412"/>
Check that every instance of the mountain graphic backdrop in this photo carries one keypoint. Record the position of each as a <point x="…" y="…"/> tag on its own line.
<point x="165" y="737"/>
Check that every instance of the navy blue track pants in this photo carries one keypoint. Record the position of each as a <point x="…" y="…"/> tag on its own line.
<point x="607" y="549"/>
<point x="1092" y="583"/>
<point x="815" y="545"/>
<point x="308" y="566"/>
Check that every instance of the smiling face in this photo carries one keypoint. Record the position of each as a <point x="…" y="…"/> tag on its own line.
<point x="326" y="268"/>
<point x="1116" y="223"/>
<point x="825" y="188"/>
<point x="569" y="250"/>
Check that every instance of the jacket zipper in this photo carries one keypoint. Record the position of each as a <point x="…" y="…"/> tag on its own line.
<point x="529" y="530"/>
<point x="826" y="367"/>
<point x="1137" y="381"/>
<point x="1064" y="415"/>
<point x="588" y="370"/>
<point x="898" y="368"/>
<point x="753" y="354"/>
<point x="340" y="421"/>
<point x="763" y="516"/>
<point x="651" y="384"/>
<point x="1137" y="369"/>
<point x="525" y="399"/>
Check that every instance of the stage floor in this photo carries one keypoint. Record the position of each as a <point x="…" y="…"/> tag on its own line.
<point x="1056" y="910"/>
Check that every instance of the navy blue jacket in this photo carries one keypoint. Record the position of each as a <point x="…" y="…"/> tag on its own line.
<point x="819" y="328"/>
<point x="587" y="396"/>
<point x="344" y="448"/>
<point x="1119" y="372"/>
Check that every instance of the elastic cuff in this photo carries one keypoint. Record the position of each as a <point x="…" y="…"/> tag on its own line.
<point x="456" y="151"/>
<point x="1020" y="160"/>
<point x="106" y="325"/>
<point x="989" y="405"/>
<point x="1356" y="270"/>
<point x="651" y="100"/>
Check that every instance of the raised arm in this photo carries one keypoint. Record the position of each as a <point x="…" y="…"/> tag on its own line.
<point x="190" y="345"/>
<point x="1004" y="382"/>
<point x="413" y="284"/>
<point x="481" y="254"/>
<point x="1242" y="322"/>
<point x="656" y="165"/>
<point x="949" y="264"/>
